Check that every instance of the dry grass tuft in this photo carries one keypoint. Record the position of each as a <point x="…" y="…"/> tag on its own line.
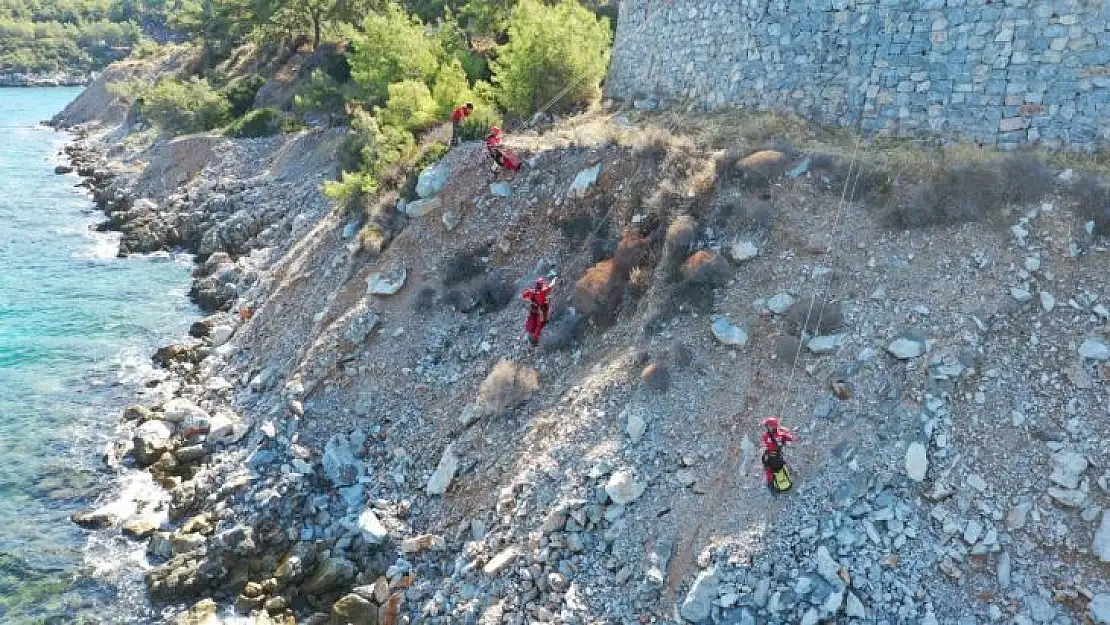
<point x="507" y="386"/>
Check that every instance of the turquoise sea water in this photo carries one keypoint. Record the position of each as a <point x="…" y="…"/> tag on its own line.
<point x="77" y="326"/>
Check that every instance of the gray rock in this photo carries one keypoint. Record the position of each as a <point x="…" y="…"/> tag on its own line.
<point x="779" y="304"/>
<point x="972" y="531"/>
<point x="420" y="208"/>
<point x="1099" y="609"/>
<point x="1101" y="545"/>
<point x="825" y="344"/>
<point x="1094" y="349"/>
<point x="1020" y="294"/>
<point x="917" y="462"/>
<point x="1004" y="570"/>
<point x="827" y="567"/>
<point x="1015" y="518"/>
<point x="354" y="609"/>
<point x="151" y="440"/>
<point x="500" y="189"/>
<point x="905" y="348"/>
<point x="340" y="464"/>
<point x="635" y="424"/>
<point x="180" y="409"/>
<point x="623" y="488"/>
<point x="371" y="528"/>
<point x="583" y="182"/>
<point x="728" y="333"/>
<point x="853" y="607"/>
<point x="1067" y="497"/>
<point x="1067" y="466"/>
<point x="1048" y="302"/>
<point x="432" y="180"/>
<point x="444" y="473"/>
<point x="742" y="250"/>
<point x="699" y="600"/>
<point x="333" y="573"/>
<point x="385" y="284"/>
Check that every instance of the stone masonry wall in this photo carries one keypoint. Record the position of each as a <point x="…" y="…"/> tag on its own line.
<point x="1001" y="72"/>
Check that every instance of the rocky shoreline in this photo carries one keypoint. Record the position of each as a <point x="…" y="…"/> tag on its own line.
<point x="59" y="79"/>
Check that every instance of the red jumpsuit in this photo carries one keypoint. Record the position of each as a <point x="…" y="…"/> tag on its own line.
<point x="457" y="116"/>
<point x="537" y="310"/>
<point x="500" y="155"/>
<point x="772" y="444"/>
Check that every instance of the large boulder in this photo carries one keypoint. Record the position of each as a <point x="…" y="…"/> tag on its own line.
<point x="728" y="333"/>
<point x="332" y="574"/>
<point x="371" y="528"/>
<point x="151" y="440"/>
<point x="583" y="182"/>
<point x="699" y="601"/>
<point x="444" y="473"/>
<point x="623" y="488"/>
<point x="340" y="464"/>
<point x="1101" y="545"/>
<point x="1094" y="349"/>
<point x="180" y="410"/>
<point x="917" y="462"/>
<point x="432" y="180"/>
<point x="354" y="609"/>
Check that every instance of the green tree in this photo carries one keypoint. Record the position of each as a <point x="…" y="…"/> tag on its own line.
<point x="392" y="48"/>
<point x="551" y="49"/>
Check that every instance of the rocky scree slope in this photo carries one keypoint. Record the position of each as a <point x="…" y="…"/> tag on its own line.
<point x="377" y="443"/>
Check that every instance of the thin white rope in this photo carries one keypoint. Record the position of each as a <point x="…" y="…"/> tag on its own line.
<point x="834" y="234"/>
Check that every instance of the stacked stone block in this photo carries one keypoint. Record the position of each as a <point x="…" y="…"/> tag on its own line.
<point x="1001" y="72"/>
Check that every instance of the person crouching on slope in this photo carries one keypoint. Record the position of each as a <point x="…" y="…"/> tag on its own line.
<point x="457" y="117"/>
<point x="538" y="308"/>
<point x="774" y="437"/>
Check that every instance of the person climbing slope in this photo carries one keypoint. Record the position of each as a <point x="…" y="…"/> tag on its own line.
<point x="457" y="117"/>
<point x="774" y="466"/>
<point x="539" y="308"/>
<point x="499" y="154"/>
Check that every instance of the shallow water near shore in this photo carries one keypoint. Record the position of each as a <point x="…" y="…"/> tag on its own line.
<point x="77" y="327"/>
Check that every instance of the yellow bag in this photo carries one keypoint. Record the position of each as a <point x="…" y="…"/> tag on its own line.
<point x="781" y="480"/>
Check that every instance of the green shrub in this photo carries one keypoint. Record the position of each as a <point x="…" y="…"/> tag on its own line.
<point x="393" y="47"/>
<point x="320" y="93"/>
<point x="477" y="125"/>
<point x="550" y="49"/>
<point x="410" y="106"/>
<point x="369" y="151"/>
<point x="240" y="92"/>
<point x="262" y="122"/>
<point x="451" y="88"/>
<point x="184" y="106"/>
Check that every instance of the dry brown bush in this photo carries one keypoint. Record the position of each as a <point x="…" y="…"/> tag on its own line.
<point x="1093" y="203"/>
<point x="632" y="251"/>
<point x="464" y="265"/>
<point x="680" y="238"/>
<point x="972" y="192"/>
<point x="507" y="386"/>
<point x="656" y="376"/>
<point x="705" y="267"/>
<point x="598" y="293"/>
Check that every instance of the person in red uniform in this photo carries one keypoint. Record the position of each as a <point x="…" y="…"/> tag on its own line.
<point x="500" y="155"/>
<point x="773" y="439"/>
<point x="457" y="117"/>
<point x="538" y="307"/>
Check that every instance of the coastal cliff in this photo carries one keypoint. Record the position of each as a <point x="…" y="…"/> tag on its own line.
<point x="362" y="434"/>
